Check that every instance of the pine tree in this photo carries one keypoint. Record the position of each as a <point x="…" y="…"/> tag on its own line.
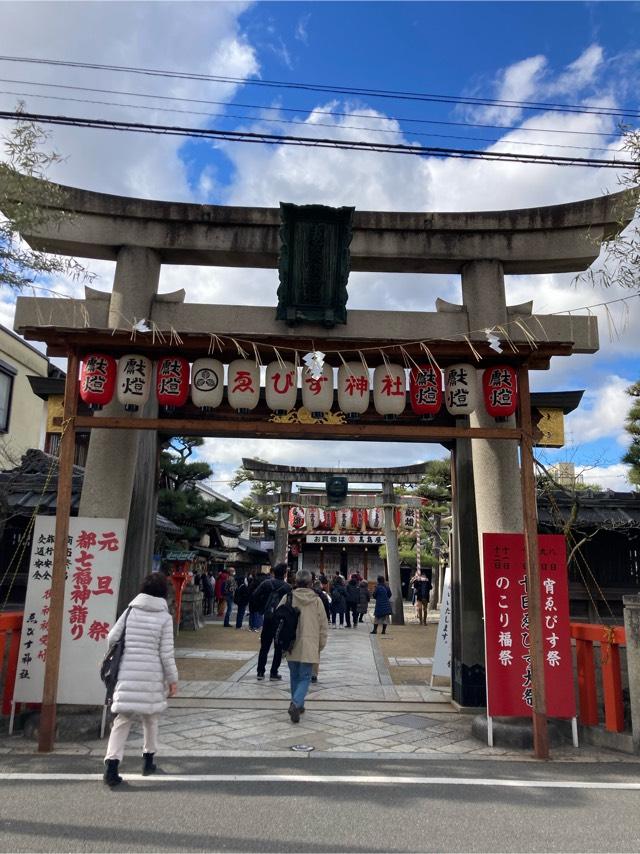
<point x="632" y="425"/>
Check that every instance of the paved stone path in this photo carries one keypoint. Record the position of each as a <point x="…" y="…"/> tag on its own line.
<point x="352" y="669"/>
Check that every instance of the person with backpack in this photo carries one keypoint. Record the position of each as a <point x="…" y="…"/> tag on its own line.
<point x="352" y="595"/>
<point x="230" y="587"/>
<point x="310" y="638"/>
<point x="241" y="600"/>
<point x="382" y="611"/>
<point x="338" y="600"/>
<point x="255" y="617"/>
<point x="365" y="596"/>
<point x="266" y="599"/>
<point x="422" y="588"/>
<point x="147" y="674"/>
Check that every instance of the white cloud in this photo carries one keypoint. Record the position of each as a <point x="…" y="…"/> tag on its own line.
<point x="517" y="82"/>
<point x="579" y="73"/>
<point x="614" y="477"/>
<point x="602" y="413"/>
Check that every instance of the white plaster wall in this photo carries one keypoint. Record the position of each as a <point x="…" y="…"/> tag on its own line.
<point x="27" y="412"/>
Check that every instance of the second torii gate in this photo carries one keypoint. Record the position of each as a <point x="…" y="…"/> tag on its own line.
<point x="285" y="476"/>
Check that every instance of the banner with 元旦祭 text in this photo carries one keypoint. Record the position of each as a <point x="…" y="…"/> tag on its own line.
<point x="94" y="565"/>
<point x="507" y="636"/>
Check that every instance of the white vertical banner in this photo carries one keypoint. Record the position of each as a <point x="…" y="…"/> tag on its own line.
<point x="94" y="565"/>
<point x="442" y="656"/>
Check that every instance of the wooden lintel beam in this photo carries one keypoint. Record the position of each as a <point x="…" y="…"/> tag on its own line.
<point x="252" y="429"/>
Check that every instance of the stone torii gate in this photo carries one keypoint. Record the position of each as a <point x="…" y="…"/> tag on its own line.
<point x="479" y="247"/>
<point x="285" y="476"/>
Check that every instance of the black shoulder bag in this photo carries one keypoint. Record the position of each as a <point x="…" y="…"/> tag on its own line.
<point x="111" y="663"/>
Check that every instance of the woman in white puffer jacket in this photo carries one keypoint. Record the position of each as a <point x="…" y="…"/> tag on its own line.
<point x="146" y="676"/>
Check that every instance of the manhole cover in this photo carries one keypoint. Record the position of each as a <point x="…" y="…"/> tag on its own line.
<point x="302" y="748"/>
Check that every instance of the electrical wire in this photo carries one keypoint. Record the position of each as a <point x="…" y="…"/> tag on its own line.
<point x="342" y="90"/>
<point x="281" y="109"/>
<point x="316" y="142"/>
<point x="263" y="120"/>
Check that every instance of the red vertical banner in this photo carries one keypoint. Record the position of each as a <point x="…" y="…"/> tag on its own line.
<point x="507" y="638"/>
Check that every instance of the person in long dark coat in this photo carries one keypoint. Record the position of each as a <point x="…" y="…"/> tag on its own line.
<point x="382" y="610"/>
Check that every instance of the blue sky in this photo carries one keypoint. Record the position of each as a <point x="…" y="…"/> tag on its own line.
<point x="566" y="53"/>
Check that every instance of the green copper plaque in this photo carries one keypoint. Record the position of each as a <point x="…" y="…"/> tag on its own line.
<point x="314" y="264"/>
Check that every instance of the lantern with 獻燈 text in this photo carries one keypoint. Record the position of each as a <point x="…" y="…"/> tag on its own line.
<point x="281" y="387"/>
<point x="425" y="390"/>
<point x="243" y="385"/>
<point x="317" y="391"/>
<point x="97" y="380"/>
<point x="353" y="389"/>
<point x="500" y="391"/>
<point x="207" y="383"/>
<point x="389" y="390"/>
<point x="461" y="389"/>
<point x="172" y="382"/>
<point x="313" y="518"/>
<point x="410" y="518"/>
<point x="133" y="384"/>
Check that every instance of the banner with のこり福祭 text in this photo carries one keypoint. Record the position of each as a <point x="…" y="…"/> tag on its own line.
<point x="507" y="636"/>
<point x="94" y="564"/>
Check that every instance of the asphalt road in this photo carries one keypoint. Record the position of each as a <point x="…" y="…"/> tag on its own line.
<point x="330" y="805"/>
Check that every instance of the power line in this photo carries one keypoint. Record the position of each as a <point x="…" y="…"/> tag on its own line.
<point x="281" y="109"/>
<point x="281" y="121"/>
<point x="315" y="142"/>
<point x="334" y="89"/>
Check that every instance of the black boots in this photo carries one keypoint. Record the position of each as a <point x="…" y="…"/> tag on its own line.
<point x="111" y="777"/>
<point x="384" y="628"/>
<point x="374" y="630"/>
<point x="148" y="765"/>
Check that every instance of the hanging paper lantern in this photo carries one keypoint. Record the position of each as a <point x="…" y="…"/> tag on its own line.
<point x="97" y="380"/>
<point x="317" y="391"/>
<point x="500" y="390"/>
<point x="207" y="383"/>
<point x="172" y="382"/>
<point x="296" y="518"/>
<point x="318" y="518"/>
<point x="375" y="518"/>
<point x="461" y="389"/>
<point x="353" y="388"/>
<point x="243" y="385"/>
<point x="134" y="381"/>
<point x="281" y="387"/>
<point x="311" y="517"/>
<point x="329" y="521"/>
<point x="409" y="518"/>
<point x="425" y="390"/>
<point x="357" y="519"/>
<point x="343" y="519"/>
<point x="389" y="390"/>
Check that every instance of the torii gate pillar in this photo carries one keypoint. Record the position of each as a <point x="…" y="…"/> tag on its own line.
<point x="121" y="472"/>
<point x="492" y="469"/>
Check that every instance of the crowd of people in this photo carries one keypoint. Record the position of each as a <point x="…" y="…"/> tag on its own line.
<point x="148" y="673"/>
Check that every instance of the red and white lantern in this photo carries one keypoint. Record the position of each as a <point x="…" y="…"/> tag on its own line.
<point x="207" y="383"/>
<point x="243" y="385"/>
<point x="317" y="392"/>
<point x="353" y="389"/>
<point x="281" y="387"/>
<point x="97" y="380"/>
<point x="329" y="521"/>
<point x="389" y="390"/>
<point x="172" y="382"/>
<point x="133" y="383"/>
<point x="357" y="519"/>
<point x="425" y="390"/>
<point x="461" y="389"/>
<point x="375" y="518"/>
<point x="296" y="518"/>
<point x="500" y="391"/>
